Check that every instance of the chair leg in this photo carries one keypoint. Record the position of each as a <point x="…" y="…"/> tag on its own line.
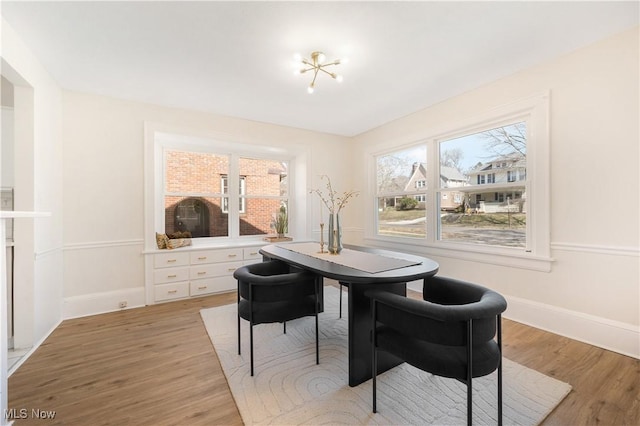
<point x="469" y="372"/>
<point x="374" y="357"/>
<point x="251" y="346"/>
<point x="340" y="316"/>
<point x="284" y="323"/>
<point x="239" y="335"/>
<point x="317" y="342"/>
<point x="499" y="332"/>
<point x="469" y="403"/>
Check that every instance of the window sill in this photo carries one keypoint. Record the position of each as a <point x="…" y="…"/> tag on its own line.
<point x="204" y="243"/>
<point x="466" y="252"/>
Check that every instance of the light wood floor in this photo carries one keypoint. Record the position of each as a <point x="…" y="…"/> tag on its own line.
<point x="156" y="366"/>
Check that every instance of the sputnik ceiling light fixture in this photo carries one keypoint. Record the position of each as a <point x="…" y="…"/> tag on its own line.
<point x="316" y="65"/>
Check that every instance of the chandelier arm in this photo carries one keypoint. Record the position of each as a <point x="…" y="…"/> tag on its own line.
<point x="332" y="75"/>
<point x="315" y="75"/>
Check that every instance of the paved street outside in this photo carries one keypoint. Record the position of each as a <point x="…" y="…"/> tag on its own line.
<point x="497" y="229"/>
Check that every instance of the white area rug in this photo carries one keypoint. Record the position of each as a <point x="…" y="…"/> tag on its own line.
<point x="290" y="389"/>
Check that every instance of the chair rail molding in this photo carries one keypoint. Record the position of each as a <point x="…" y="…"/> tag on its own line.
<point x="102" y="244"/>
<point x="597" y="249"/>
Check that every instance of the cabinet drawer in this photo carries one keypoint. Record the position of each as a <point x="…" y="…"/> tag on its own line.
<point x="212" y="285"/>
<point x="214" y="256"/>
<point x="171" y="291"/>
<point x="166" y="260"/>
<point x="213" y="270"/>
<point x="251" y="253"/>
<point x="169" y="275"/>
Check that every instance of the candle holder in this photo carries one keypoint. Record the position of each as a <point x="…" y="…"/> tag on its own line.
<point x="321" y="238"/>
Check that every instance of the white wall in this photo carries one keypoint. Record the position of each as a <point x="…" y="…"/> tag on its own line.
<point x="104" y="188"/>
<point x="38" y="182"/>
<point x="593" y="290"/>
<point x="6" y="168"/>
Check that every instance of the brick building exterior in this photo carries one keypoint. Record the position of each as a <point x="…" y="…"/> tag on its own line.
<point x="198" y="174"/>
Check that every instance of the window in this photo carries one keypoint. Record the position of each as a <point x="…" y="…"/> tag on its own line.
<point x="266" y="191"/>
<point x="219" y="190"/>
<point x="195" y="203"/>
<point x="486" y="219"/>
<point x="479" y="202"/>
<point x="421" y="183"/>
<point x="192" y="195"/>
<point x="399" y="212"/>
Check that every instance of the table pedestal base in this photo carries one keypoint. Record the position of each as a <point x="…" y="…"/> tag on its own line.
<point x="360" y="332"/>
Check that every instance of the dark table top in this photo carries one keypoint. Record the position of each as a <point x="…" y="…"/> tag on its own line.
<point x="424" y="269"/>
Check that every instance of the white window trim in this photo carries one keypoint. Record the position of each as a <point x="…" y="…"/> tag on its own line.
<point x="537" y="255"/>
<point x="242" y="196"/>
<point x="158" y="137"/>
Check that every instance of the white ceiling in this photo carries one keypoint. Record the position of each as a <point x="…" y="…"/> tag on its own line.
<point x="234" y="58"/>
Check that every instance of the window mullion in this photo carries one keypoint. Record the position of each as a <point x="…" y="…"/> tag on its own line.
<point x="433" y="186"/>
<point x="233" y="182"/>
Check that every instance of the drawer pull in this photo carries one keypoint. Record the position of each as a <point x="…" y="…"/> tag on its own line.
<point x="253" y="253"/>
<point x="204" y="287"/>
<point x="172" y="291"/>
<point x="202" y="258"/>
<point x="231" y="269"/>
<point x="172" y="260"/>
<point x="171" y="276"/>
<point x="202" y="273"/>
<point x="232" y="255"/>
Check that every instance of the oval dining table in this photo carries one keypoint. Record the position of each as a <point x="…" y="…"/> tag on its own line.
<point x="360" y="269"/>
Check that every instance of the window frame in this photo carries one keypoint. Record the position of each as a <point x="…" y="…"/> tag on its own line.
<point x="534" y="110"/>
<point x="224" y="179"/>
<point x="158" y="137"/>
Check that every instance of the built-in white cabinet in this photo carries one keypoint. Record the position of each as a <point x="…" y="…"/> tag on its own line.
<point x="194" y="271"/>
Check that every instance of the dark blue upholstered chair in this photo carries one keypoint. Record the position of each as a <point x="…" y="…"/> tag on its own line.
<point x="454" y="332"/>
<point x="270" y="292"/>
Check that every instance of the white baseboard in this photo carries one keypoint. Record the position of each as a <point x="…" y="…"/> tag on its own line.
<point x="607" y="334"/>
<point x="100" y="303"/>
<point x="26" y="356"/>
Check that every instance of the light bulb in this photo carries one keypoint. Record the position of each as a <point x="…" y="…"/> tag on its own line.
<point x="339" y="79"/>
<point x="321" y="57"/>
<point x="310" y="89"/>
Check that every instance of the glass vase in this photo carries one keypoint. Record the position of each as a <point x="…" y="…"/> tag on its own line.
<point x="335" y="234"/>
